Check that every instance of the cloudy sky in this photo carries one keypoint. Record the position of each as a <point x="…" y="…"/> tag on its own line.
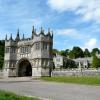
<point x="74" y="22"/>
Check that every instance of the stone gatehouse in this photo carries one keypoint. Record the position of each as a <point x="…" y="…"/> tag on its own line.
<point x="28" y="56"/>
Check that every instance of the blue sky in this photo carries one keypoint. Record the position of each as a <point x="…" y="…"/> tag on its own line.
<point x="74" y="22"/>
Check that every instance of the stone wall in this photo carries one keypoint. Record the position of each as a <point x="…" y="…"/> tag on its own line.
<point x="1" y="74"/>
<point x="76" y="72"/>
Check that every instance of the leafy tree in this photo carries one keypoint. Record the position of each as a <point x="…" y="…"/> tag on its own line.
<point x="55" y="51"/>
<point x="94" y="51"/>
<point x="69" y="64"/>
<point x="96" y="62"/>
<point x="76" y="52"/>
<point x="64" y="52"/>
<point x="71" y="54"/>
<point x="87" y="53"/>
<point x="67" y="52"/>
<point x="1" y="53"/>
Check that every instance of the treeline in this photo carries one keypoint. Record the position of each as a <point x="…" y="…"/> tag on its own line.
<point x="76" y="52"/>
<point x="2" y="44"/>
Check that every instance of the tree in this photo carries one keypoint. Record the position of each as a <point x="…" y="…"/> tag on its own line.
<point x="1" y="53"/>
<point x="96" y="62"/>
<point x="87" y="53"/>
<point x="69" y="64"/>
<point x="54" y="52"/>
<point x="67" y="52"/>
<point x="71" y="54"/>
<point x="94" y="51"/>
<point x="76" y="52"/>
<point x="64" y="52"/>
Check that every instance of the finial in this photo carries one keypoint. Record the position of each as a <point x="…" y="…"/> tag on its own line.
<point x="33" y="30"/>
<point x="33" y="27"/>
<point x="18" y="31"/>
<point x="23" y="37"/>
<point x="52" y="33"/>
<point x="41" y="29"/>
<point x="48" y="30"/>
<point x="11" y="37"/>
<point x="17" y="37"/>
<point x="6" y="38"/>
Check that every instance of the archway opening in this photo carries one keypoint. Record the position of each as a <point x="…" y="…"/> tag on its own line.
<point x="24" y="69"/>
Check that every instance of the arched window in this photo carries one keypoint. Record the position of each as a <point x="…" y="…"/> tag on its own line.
<point x="25" y="49"/>
<point x="37" y="46"/>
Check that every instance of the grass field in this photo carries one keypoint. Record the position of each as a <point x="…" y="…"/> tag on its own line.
<point x="87" y="80"/>
<point x="11" y="96"/>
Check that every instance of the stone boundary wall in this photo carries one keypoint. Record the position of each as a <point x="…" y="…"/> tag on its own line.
<point x="76" y="72"/>
<point x="1" y="73"/>
<point x="70" y="72"/>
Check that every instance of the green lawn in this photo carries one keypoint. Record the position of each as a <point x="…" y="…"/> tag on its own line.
<point x="11" y="96"/>
<point x="87" y="80"/>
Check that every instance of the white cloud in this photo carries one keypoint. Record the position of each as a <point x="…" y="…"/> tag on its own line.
<point x="87" y="41"/>
<point x="88" y="9"/>
<point x="64" y="5"/>
<point x="90" y="44"/>
<point x="73" y="33"/>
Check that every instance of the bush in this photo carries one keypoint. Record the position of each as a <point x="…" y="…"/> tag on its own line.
<point x="96" y="62"/>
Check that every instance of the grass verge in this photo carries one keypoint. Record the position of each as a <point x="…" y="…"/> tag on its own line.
<point x="11" y="96"/>
<point x="87" y="80"/>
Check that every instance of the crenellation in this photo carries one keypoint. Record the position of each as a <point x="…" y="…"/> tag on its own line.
<point x="34" y="52"/>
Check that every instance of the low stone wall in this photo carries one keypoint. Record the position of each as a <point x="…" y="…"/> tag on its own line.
<point x="45" y="72"/>
<point x="77" y="72"/>
<point x="1" y="74"/>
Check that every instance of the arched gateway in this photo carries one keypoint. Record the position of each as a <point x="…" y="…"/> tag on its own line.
<point x="24" y="68"/>
<point x="28" y="56"/>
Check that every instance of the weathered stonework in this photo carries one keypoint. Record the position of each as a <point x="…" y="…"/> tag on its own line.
<point x="33" y="53"/>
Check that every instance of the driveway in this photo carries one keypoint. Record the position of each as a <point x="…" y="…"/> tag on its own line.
<point x="53" y="91"/>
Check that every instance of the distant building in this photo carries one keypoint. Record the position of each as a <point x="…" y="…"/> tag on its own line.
<point x="85" y="62"/>
<point x="61" y="61"/>
<point x="58" y="61"/>
<point x="28" y="56"/>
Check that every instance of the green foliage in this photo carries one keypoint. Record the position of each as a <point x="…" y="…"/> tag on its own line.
<point x="54" y="52"/>
<point x="69" y="64"/>
<point x="76" y="53"/>
<point x="2" y="43"/>
<point x="64" y="52"/>
<point x="87" y="53"/>
<point x="96" y="62"/>
<point x="94" y="51"/>
<point x="11" y="96"/>
<point x="88" y="80"/>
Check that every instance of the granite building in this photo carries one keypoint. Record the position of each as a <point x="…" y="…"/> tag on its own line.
<point x="28" y="56"/>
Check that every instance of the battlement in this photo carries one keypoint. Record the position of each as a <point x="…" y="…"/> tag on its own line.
<point x="35" y="36"/>
<point x="28" y="56"/>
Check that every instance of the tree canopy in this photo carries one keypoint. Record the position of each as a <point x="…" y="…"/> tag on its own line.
<point x="96" y="62"/>
<point x="87" y="53"/>
<point x="1" y="53"/>
<point x="76" y="52"/>
<point x="94" y="51"/>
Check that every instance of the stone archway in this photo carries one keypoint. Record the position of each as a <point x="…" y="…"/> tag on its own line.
<point x="24" y="68"/>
